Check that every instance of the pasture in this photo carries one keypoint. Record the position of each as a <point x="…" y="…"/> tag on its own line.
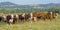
<point x="39" y="25"/>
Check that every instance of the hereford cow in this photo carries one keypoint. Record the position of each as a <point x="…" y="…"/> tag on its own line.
<point x="21" y="17"/>
<point x="11" y="19"/>
<point x="35" y="16"/>
<point x="18" y="17"/>
<point x="51" y="15"/>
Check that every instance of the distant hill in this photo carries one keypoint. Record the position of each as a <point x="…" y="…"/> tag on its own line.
<point x="50" y="5"/>
<point x="12" y="5"/>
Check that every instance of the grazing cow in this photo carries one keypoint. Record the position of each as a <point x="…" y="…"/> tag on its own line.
<point x="35" y="16"/>
<point x="27" y="17"/>
<point x="14" y="19"/>
<point x="51" y="15"/>
<point x="8" y="18"/>
<point x="22" y="17"/>
<point x="17" y="17"/>
<point x="41" y="15"/>
<point x="32" y="16"/>
<point x="44" y="16"/>
<point x="11" y="19"/>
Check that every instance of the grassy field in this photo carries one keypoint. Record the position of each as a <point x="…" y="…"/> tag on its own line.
<point x="39" y="25"/>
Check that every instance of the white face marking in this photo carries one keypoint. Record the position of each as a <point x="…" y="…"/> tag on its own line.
<point x="23" y="14"/>
<point x="31" y="15"/>
<point x="11" y="20"/>
<point x="51" y="13"/>
<point x="12" y="15"/>
<point x="16" y="15"/>
<point x="4" y="16"/>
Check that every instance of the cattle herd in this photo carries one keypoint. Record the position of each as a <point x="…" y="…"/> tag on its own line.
<point x="12" y="19"/>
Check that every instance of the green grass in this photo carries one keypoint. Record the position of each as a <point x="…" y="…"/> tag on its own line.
<point x="39" y="25"/>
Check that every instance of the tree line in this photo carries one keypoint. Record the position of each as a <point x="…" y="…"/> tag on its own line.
<point x="10" y="11"/>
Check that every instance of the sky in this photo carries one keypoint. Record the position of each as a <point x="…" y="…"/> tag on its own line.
<point x="31" y="1"/>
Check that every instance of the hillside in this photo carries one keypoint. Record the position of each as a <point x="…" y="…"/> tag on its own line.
<point x="12" y="5"/>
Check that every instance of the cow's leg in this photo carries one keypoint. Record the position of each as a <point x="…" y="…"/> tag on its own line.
<point x="8" y="22"/>
<point x="14" y="20"/>
<point x="51" y="18"/>
<point x="35" y="19"/>
<point x="30" y="20"/>
<point x="22" y="19"/>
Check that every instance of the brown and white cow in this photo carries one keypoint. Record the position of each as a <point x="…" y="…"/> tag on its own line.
<point x="51" y="15"/>
<point x="20" y="17"/>
<point x="11" y="19"/>
<point x="35" y="16"/>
